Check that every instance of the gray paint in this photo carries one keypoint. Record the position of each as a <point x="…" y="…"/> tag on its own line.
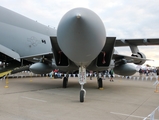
<point x="23" y="35"/>
<point x="137" y="42"/>
<point x="125" y="69"/>
<point x="9" y="52"/>
<point x="15" y="19"/>
<point x="40" y="68"/>
<point x="81" y="35"/>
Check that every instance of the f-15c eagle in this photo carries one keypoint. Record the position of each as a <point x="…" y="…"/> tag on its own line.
<point x="79" y="43"/>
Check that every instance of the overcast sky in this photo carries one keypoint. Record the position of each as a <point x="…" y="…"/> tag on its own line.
<point x="122" y="18"/>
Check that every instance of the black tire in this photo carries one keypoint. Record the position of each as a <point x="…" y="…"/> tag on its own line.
<point x="81" y="96"/>
<point x="65" y="82"/>
<point x="100" y="83"/>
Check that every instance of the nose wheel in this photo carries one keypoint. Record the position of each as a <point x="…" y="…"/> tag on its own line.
<point x="82" y="95"/>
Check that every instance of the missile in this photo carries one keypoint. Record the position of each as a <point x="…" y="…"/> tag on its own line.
<point x="81" y="35"/>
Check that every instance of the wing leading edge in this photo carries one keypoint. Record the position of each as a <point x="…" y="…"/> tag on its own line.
<point x="136" y="42"/>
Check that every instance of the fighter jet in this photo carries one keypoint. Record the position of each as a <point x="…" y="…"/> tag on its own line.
<point x="79" y="44"/>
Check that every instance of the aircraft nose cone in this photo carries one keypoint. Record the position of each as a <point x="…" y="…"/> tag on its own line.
<point x="81" y="35"/>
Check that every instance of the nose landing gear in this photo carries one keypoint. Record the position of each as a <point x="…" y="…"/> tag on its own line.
<point x="82" y="81"/>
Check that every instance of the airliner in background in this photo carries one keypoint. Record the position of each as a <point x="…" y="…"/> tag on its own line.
<point x="79" y="44"/>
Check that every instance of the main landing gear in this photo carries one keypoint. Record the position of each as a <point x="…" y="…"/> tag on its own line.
<point x="65" y="81"/>
<point x="100" y="83"/>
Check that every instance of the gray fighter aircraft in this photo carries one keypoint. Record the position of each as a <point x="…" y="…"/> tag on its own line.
<point x="79" y="43"/>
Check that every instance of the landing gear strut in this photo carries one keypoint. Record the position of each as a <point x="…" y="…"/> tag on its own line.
<point x="82" y="81"/>
<point x="99" y="81"/>
<point x="65" y="81"/>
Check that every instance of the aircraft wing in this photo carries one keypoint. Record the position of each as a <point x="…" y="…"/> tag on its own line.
<point x="137" y="42"/>
<point x="37" y="57"/>
<point x="128" y="59"/>
<point x="9" y="53"/>
<point x="15" y="63"/>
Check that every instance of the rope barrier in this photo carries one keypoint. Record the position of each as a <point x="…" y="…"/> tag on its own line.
<point x="27" y="74"/>
<point x="152" y="115"/>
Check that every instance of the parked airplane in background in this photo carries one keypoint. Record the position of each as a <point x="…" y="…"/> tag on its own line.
<point x="80" y="43"/>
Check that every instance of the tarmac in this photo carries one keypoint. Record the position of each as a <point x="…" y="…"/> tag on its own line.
<point x="43" y="98"/>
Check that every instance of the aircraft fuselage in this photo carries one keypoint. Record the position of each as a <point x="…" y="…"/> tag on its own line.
<point x="24" y="36"/>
